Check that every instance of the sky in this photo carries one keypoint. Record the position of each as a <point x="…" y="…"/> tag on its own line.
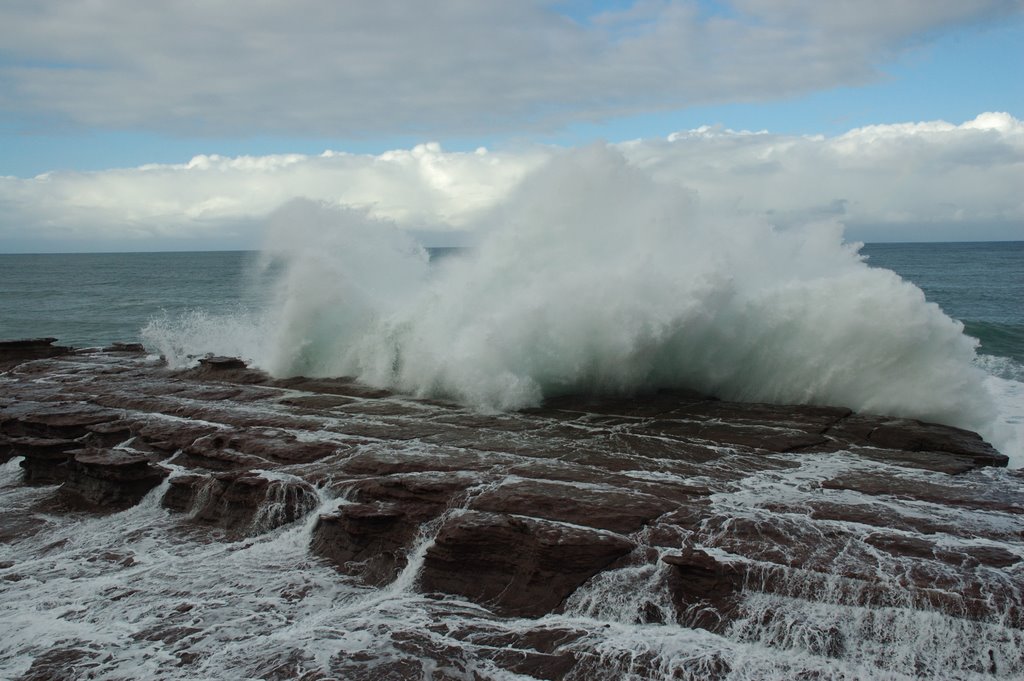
<point x="179" y="125"/>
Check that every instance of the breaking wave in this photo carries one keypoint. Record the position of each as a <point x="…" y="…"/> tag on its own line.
<point x="593" y="277"/>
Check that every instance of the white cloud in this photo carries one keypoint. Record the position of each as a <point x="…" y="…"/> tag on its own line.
<point x="911" y="181"/>
<point x="914" y="181"/>
<point x="350" y="69"/>
<point x="224" y="200"/>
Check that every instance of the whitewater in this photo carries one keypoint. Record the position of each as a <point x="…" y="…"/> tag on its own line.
<point x="595" y="277"/>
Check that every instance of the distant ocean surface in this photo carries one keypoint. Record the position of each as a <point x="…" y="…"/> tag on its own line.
<point x="89" y="299"/>
<point x="94" y="299"/>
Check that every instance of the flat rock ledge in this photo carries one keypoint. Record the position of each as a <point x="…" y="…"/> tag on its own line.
<point x="533" y="512"/>
<point x="15" y="351"/>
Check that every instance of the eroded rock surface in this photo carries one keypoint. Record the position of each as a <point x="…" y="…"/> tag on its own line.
<point x="671" y="509"/>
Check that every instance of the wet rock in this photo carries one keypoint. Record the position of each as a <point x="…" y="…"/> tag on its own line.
<point x="373" y="538"/>
<point x="347" y="387"/>
<point x="541" y="652"/>
<point x="243" y="503"/>
<point x="763" y="436"/>
<point x="13" y="352"/>
<point x="529" y="513"/>
<point x="992" y="556"/>
<point x="172" y="435"/>
<point x="110" y="478"/>
<point x="940" y="462"/>
<point x="901" y="439"/>
<point x="651" y="405"/>
<point x="938" y="491"/>
<point x="373" y="460"/>
<point x="705" y="590"/>
<point x="517" y="566"/>
<point x="17" y="525"/>
<point x="316" y="403"/>
<point x="217" y="453"/>
<point x="53" y="419"/>
<point x="368" y="540"/>
<point x="110" y="433"/>
<point x="423" y="495"/>
<point x="183" y="491"/>
<point x="255" y="447"/>
<point x="45" y="460"/>
<point x="902" y="545"/>
<point x="125" y="347"/>
<point x="63" y="662"/>
<point x="591" y="505"/>
<point x="219" y="363"/>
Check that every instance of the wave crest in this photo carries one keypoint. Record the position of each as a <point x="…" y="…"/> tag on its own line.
<point x="593" y="277"/>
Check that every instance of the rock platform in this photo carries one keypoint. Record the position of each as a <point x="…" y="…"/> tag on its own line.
<point x="536" y="512"/>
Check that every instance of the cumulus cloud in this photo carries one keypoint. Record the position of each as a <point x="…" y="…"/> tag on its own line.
<point x="910" y="181"/>
<point x="223" y="201"/>
<point x="317" y="67"/>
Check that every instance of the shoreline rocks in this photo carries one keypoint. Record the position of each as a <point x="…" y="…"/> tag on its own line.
<point x="684" y="503"/>
<point x="13" y="352"/>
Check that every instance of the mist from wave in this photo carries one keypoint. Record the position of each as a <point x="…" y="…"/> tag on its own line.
<point x="595" y="278"/>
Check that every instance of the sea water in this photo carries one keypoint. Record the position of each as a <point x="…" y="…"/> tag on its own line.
<point x="91" y="299"/>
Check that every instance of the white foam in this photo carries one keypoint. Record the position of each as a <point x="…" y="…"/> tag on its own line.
<point x="1008" y="432"/>
<point x="593" y="277"/>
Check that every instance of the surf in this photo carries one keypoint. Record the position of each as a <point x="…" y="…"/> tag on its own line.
<point x="593" y="277"/>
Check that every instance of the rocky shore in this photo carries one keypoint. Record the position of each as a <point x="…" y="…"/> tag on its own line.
<point x="667" y="510"/>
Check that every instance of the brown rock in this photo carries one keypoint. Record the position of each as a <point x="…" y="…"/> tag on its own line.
<point x="125" y="347"/>
<point x="368" y="540"/>
<point x="516" y="566"/>
<point x="45" y="459"/>
<point x="53" y="419"/>
<point x="218" y="363"/>
<point x="516" y="512"/>
<point x="908" y="436"/>
<point x="705" y="590"/>
<point x="242" y="503"/>
<point x="607" y="508"/>
<point x="13" y="352"/>
<point x="110" y="478"/>
<point x="373" y="538"/>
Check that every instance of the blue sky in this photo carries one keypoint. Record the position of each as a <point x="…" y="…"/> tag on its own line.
<point x="90" y="87"/>
<point x="954" y="75"/>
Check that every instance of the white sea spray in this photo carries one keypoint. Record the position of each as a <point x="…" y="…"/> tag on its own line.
<point x="595" y="277"/>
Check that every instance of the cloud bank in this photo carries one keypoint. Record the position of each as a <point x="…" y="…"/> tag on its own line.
<point x="911" y="181"/>
<point x="320" y="67"/>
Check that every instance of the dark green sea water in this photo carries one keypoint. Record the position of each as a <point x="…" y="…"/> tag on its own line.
<point x="981" y="284"/>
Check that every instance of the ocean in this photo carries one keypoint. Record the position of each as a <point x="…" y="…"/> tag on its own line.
<point x="90" y="299"/>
